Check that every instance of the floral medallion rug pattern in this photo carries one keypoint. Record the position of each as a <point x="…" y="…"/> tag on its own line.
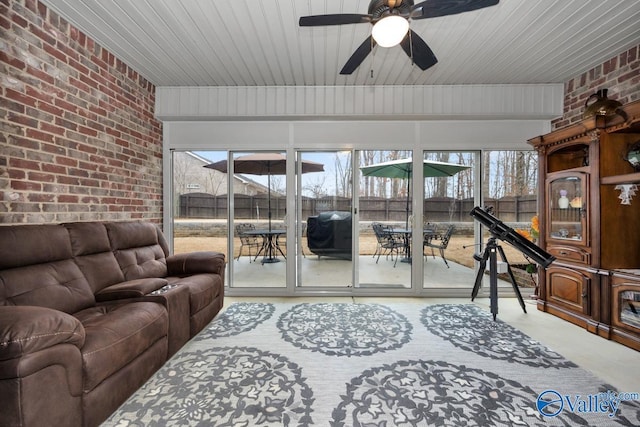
<point x="370" y="365"/>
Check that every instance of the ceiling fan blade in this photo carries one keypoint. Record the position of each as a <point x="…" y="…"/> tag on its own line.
<point x="358" y="56"/>
<point x="418" y="51"/>
<point x="435" y="8"/>
<point x="337" y="19"/>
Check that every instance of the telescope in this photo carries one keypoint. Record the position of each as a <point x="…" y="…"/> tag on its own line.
<point x="503" y="232"/>
<point x="499" y="230"/>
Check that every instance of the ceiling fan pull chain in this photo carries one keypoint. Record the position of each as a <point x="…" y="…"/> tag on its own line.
<point x="411" y="48"/>
<point x="373" y="55"/>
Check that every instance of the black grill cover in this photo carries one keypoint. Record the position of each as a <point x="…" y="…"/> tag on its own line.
<point x="329" y="234"/>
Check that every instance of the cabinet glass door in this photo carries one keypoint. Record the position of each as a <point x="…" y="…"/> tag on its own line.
<point x="567" y="215"/>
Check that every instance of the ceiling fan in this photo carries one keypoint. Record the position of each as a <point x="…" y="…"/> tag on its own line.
<point x="391" y="18"/>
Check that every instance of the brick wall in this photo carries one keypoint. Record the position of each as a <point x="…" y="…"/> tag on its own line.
<point x="620" y="75"/>
<point x="78" y="140"/>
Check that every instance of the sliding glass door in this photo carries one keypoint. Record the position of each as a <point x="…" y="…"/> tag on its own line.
<point x="258" y="219"/>
<point x="325" y="219"/>
<point x="386" y="219"/>
<point x="449" y="239"/>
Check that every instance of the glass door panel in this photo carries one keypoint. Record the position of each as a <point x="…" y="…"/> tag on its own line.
<point x="199" y="203"/>
<point x="567" y="208"/>
<point x="325" y="219"/>
<point x="448" y="231"/>
<point x="385" y="218"/>
<point x="258" y="219"/>
<point x="510" y="190"/>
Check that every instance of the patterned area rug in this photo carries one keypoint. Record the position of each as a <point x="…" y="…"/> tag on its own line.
<point x="370" y="365"/>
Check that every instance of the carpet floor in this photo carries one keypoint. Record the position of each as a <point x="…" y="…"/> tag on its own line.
<point x="340" y="364"/>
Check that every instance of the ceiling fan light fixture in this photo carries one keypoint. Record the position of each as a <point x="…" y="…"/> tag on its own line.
<point x="390" y="30"/>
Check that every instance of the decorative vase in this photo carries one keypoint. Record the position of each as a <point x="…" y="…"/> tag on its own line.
<point x="563" y="201"/>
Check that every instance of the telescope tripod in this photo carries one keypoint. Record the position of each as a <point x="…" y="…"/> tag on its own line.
<point x="491" y="254"/>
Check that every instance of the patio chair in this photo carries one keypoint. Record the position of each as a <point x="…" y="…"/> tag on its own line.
<point x="248" y="240"/>
<point x="387" y="242"/>
<point x="440" y="243"/>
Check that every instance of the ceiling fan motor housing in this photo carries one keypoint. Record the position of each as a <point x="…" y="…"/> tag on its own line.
<point x="378" y="9"/>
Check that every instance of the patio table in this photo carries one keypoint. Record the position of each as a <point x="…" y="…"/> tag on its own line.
<point x="406" y="236"/>
<point x="270" y="245"/>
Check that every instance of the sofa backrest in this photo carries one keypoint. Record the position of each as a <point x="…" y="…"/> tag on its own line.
<point x="37" y="268"/>
<point x="92" y="251"/>
<point x="138" y="248"/>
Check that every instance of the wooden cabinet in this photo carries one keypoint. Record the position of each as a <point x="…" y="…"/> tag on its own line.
<point x="584" y="225"/>
<point x="625" y="302"/>
<point x="569" y="288"/>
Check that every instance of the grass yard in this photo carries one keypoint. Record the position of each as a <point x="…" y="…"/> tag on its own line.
<point x="454" y="252"/>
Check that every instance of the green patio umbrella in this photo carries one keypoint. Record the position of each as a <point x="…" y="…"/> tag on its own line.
<point x="403" y="169"/>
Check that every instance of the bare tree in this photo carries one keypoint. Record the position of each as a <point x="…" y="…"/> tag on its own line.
<point x="317" y="187"/>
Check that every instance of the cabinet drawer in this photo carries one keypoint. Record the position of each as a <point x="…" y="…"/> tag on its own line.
<point x="570" y="253"/>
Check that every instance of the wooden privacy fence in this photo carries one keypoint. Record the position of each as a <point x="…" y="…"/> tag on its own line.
<point x="437" y="209"/>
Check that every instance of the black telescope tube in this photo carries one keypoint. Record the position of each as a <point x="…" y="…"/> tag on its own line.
<point x="503" y="232"/>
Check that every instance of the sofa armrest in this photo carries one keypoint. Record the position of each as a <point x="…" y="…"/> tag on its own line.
<point x="27" y="329"/>
<point x="196" y="263"/>
<point x="130" y="289"/>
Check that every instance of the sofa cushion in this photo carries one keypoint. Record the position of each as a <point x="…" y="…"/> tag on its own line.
<point x="37" y="268"/>
<point x="59" y="285"/>
<point x="33" y="244"/>
<point x="115" y="334"/>
<point x="29" y="329"/>
<point x="137" y="249"/>
<point x="92" y="251"/>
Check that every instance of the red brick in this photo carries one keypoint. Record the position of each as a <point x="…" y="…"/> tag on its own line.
<point x="46" y="127"/>
<point x="4" y="22"/>
<point x="87" y="148"/>
<point x="43" y="35"/>
<point x="41" y="197"/>
<point x="87" y="131"/>
<point x="610" y="65"/>
<point x="68" y="198"/>
<point x="65" y="105"/>
<point x="26" y="186"/>
<point x="17" y="163"/>
<point x="51" y="168"/>
<point x="20" y="97"/>
<point x="41" y="177"/>
<point x="629" y="76"/>
<point x="17" y="174"/>
<point x="56" y="53"/>
<point x="87" y="166"/>
<point x="67" y="161"/>
<point x="69" y="180"/>
<point x="41" y="136"/>
<point x="19" y="20"/>
<point x="22" y="120"/>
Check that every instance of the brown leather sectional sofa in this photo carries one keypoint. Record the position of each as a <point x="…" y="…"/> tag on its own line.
<point x="89" y="311"/>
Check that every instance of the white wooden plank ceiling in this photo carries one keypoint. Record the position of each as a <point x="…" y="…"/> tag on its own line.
<point x="259" y="42"/>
